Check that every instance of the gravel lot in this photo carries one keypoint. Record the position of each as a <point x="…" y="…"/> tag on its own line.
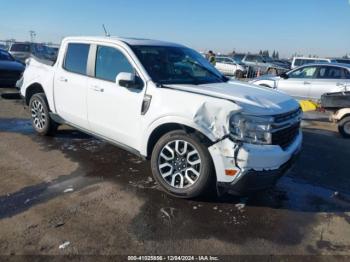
<point x="103" y="200"/>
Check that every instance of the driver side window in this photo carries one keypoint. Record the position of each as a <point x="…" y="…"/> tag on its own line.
<point x="110" y="62"/>
<point x="305" y="72"/>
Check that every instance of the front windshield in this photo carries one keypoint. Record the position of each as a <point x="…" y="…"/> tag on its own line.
<point x="177" y="65"/>
<point x="4" y="56"/>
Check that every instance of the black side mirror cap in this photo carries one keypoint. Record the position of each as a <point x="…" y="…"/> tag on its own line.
<point x="284" y="76"/>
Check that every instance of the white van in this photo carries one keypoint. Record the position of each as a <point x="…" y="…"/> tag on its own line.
<point x="300" y="61"/>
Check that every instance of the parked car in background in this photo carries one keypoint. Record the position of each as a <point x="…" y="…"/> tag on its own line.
<point x="300" y="61"/>
<point x="238" y="57"/>
<point x="229" y="67"/>
<point x="10" y="69"/>
<point x="283" y="62"/>
<point x="3" y="47"/>
<point x="167" y="103"/>
<point x="263" y="65"/>
<point x="341" y="60"/>
<point x="21" y="51"/>
<point x="310" y="81"/>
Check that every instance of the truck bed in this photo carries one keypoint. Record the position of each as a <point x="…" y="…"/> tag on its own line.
<point x="336" y="100"/>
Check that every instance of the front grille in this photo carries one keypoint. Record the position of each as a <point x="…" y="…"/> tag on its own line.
<point x="285" y="128"/>
<point x="287" y="116"/>
<point x="285" y="137"/>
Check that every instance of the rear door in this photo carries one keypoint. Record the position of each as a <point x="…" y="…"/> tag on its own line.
<point x="70" y="85"/>
<point x="299" y="82"/>
<point x="329" y="79"/>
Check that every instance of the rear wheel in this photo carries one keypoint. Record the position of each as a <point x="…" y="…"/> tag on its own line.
<point x="41" y="121"/>
<point x="344" y="127"/>
<point x="182" y="165"/>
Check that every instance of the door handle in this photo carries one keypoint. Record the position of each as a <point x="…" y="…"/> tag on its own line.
<point x="63" y="79"/>
<point x="97" y="89"/>
<point x="307" y="83"/>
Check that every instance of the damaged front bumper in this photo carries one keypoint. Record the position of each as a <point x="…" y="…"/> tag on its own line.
<point x="256" y="167"/>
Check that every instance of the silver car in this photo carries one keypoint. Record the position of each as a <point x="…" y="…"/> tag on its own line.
<point x="310" y="81"/>
<point x="21" y="51"/>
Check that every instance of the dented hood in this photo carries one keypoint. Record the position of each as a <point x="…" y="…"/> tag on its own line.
<point x="253" y="99"/>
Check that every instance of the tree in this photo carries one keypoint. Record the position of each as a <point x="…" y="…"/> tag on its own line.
<point x="274" y="54"/>
<point x="277" y="55"/>
<point x="261" y="52"/>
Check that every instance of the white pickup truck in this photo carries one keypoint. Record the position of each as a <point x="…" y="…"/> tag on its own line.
<point x="166" y="103"/>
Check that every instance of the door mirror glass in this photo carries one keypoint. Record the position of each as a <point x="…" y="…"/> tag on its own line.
<point x="284" y="76"/>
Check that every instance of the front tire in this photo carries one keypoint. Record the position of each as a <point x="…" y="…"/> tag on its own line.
<point x="182" y="165"/>
<point x="41" y="121"/>
<point x="239" y="74"/>
<point x="344" y="127"/>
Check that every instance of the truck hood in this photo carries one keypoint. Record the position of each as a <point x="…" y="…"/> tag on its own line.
<point x="253" y="99"/>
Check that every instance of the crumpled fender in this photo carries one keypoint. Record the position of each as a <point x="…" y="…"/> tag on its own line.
<point x="214" y="116"/>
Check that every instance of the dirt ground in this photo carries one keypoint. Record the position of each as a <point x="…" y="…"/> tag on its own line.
<point x="100" y="200"/>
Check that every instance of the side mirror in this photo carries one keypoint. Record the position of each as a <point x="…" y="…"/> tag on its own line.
<point x="284" y="76"/>
<point x="125" y="79"/>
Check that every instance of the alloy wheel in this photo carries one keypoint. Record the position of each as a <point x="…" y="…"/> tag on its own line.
<point x="38" y="114"/>
<point x="179" y="164"/>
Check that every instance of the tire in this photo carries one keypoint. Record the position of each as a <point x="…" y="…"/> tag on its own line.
<point x="344" y="127"/>
<point x="239" y="74"/>
<point x="183" y="171"/>
<point x="40" y="115"/>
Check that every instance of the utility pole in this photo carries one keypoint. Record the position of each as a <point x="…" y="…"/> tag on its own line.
<point x="32" y="36"/>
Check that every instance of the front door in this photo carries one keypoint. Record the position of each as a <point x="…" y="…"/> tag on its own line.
<point x="298" y="83"/>
<point x="114" y="111"/>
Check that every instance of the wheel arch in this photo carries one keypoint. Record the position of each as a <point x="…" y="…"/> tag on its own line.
<point x="164" y="128"/>
<point x="342" y="113"/>
<point x="33" y="89"/>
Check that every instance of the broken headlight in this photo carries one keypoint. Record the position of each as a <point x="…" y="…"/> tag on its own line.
<point x="251" y="129"/>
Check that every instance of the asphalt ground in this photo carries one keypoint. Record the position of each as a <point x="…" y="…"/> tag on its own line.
<point x="91" y="198"/>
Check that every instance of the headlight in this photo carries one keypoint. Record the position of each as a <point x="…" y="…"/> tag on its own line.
<point x="251" y="129"/>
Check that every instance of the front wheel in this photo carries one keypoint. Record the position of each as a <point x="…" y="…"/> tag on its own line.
<point x="344" y="127"/>
<point x="239" y="74"/>
<point x="41" y="121"/>
<point x="182" y="165"/>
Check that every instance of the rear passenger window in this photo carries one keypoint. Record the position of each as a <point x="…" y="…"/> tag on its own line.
<point x="330" y="72"/>
<point x="110" y="62"/>
<point x="76" y="58"/>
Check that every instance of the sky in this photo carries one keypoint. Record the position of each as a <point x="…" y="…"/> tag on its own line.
<point x="317" y="27"/>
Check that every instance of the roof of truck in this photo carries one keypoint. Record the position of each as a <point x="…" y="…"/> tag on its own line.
<point x="127" y="40"/>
